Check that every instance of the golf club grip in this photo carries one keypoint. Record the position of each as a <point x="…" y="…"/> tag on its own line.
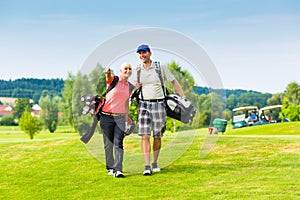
<point x="89" y="134"/>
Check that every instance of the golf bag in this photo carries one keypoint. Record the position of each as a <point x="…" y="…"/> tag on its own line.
<point x="94" y="104"/>
<point x="179" y="108"/>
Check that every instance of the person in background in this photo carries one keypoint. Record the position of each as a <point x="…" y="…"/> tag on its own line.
<point x="252" y="117"/>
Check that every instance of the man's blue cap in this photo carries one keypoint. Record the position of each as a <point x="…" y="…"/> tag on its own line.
<point x="143" y="47"/>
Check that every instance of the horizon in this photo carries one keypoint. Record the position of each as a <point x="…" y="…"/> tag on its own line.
<point x="247" y="90"/>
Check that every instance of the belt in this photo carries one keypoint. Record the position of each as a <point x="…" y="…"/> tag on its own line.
<point x="154" y="100"/>
<point x="113" y="114"/>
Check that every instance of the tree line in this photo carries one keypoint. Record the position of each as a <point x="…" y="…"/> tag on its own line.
<point x="237" y="98"/>
<point x="210" y="103"/>
<point x="31" y="88"/>
<point x="34" y="88"/>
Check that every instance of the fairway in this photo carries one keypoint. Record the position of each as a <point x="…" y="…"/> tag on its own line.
<point x="239" y="166"/>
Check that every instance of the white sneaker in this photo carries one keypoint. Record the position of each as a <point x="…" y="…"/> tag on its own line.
<point x="110" y="172"/>
<point x="119" y="174"/>
<point x="157" y="169"/>
<point x="147" y="172"/>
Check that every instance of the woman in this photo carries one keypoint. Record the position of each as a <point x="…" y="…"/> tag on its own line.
<point x="114" y="115"/>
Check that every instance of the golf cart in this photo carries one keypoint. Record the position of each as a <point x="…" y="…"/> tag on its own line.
<point x="245" y="116"/>
<point x="270" y="114"/>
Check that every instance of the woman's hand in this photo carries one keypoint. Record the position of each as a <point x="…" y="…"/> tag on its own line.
<point x="107" y="71"/>
<point x="108" y="75"/>
<point x="137" y="85"/>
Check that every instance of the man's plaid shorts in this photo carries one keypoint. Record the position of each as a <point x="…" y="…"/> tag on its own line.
<point x="152" y="116"/>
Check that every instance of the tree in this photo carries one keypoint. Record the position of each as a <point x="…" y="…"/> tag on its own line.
<point x="21" y="105"/>
<point x="185" y="80"/>
<point x="133" y="111"/>
<point x="232" y="101"/>
<point x="30" y="124"/>
<point x="199" y="119"/>
<point x="7" y="120"/>
<point x="291" y="111"/>
<point x="81" y="87"/>
<point x="214" y="108"/>
<point x="228" y="115"/>
<point x="293" y="93"/>
<point x="93" y="83"/>
<point x="97" y="79"/>
<point x="187" y="83"/>
<point x="74" y="88"/>
<point x="66" y="105"/>
<point x="276" y="99"/>
<point x="30" y="87"/>
<point x="291" y="102"/>
<point x="49" y="113"/>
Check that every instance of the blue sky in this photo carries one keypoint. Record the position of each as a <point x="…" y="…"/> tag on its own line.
<point x="255" y="45"/>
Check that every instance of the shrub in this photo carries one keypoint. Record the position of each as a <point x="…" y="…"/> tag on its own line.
<point x="8" y="120"/>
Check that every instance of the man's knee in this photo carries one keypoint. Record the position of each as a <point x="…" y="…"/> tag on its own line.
<point x="146" y="137"/>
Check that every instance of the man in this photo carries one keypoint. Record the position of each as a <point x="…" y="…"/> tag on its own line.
<point x="152" y="114"/>
<point x="252" y="117"/>
<point x="114" y="115"/>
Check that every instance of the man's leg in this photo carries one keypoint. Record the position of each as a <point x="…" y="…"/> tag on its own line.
<point x="158" y="115"/>
<point x="144" y="128"/>
<point x="146" y="148"/>
<point x="156" y="149"/>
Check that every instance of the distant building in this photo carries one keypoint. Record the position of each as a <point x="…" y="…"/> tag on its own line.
<point x="8" y="101"/>
<point x="36" y="109"/>
<point x="5" y="110"/>
<point x="11" y="101"/>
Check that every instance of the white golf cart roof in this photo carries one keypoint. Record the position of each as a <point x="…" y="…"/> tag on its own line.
<point x="245" y="108"/>
<point x="271" y="107"/>
<point x="242" y="117"/>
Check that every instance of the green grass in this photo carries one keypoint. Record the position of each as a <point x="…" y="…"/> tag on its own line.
<point x="240" y="166"/>
<point x="288" y="128"/>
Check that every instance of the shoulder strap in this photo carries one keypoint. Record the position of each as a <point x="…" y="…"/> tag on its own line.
<point x="138" y="69"/>
<point x="131" y="87"/>
<point x="111" y="86"/>
<point x="158" y="71"/>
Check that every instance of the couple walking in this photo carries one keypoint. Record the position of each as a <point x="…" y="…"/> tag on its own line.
<point x="151" y="112"/>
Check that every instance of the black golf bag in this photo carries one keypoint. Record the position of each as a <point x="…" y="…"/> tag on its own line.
<point x="179" y="108"/>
